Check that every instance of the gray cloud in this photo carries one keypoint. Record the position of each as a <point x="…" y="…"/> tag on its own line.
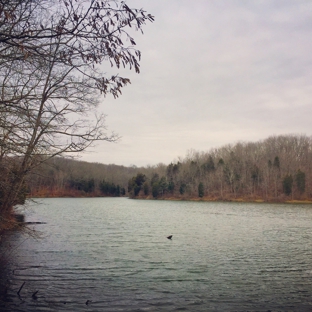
<point x="212" y="73"/>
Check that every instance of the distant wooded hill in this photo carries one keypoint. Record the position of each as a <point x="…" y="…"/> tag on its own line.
<point x="67" y="177"/>
<point x="275" y="169"/>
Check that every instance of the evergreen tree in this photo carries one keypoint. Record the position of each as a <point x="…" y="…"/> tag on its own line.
<point x="182" y="188"/>
<point x="163" y="185"/>
<point x="117" y="193"/>
<point x="276" y="162"/>
<point x="200" y="189"/>
<point x="287" y="184"/>
<point x="155" y="189"/>
<point x="171" y="186"/>
<point x="209" y="166"/>
<point x="145" y="188"/>
<point x="135" y="184"/>
<point x="300" y="181"/>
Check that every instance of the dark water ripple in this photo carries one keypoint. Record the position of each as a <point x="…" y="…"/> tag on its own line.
<point x="113" y="254"/>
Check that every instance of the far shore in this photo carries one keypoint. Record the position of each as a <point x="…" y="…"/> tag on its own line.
<point x="182" y="198"/>
<point x="236" y="200"/>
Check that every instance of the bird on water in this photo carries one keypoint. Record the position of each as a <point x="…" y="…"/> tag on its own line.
<point x="169" y="237"/>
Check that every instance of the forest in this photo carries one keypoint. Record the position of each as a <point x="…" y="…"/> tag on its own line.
<point x="59" y="177"/>
<point x="276" y="169"/>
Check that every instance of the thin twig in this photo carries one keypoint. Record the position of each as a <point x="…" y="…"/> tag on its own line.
<point x="20" y="288"/>
<point x="34" y="295"/>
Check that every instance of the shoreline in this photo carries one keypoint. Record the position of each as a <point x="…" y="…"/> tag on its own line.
<point x="185" y="198"/>
<point x="228" y="200"/>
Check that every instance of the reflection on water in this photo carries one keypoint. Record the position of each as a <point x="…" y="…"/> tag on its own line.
<point x="112" y="254"/>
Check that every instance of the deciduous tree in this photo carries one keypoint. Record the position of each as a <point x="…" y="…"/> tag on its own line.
<point x="51" y="78"/>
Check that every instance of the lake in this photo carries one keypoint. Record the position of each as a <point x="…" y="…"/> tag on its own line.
<point x="112" y="254"/>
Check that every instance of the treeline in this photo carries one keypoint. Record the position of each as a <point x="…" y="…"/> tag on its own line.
<point x="276" y="169"/>
<point x="67" y="177"/>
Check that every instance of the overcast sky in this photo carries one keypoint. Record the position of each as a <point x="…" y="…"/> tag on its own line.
<point x="213" y="72"/>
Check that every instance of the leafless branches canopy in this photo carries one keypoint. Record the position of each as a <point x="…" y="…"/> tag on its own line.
<point x="51" y="79"/>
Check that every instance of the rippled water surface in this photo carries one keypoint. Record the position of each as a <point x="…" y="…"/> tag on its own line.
<point x="112" y="254"/>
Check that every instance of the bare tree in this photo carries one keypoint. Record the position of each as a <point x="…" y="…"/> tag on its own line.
<point x="51" y="52"/>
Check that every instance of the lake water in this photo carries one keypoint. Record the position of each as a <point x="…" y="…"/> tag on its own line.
<point x="114" y="253"/>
